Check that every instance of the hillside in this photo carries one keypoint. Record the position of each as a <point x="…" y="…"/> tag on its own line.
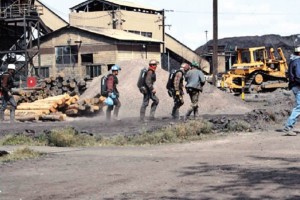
<point x="287" y="43"/>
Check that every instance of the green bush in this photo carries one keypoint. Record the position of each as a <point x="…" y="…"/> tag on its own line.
<point x="158" y="137"/>
<point x="238" y="126"/>
<point x="20" y="154"/>
<point x="192" y="128"/>
<point x="68" y="137"/>
<point x="17" y="140"/>
<point x="62" y="138"/>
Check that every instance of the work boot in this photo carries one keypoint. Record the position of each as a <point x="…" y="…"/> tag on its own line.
<point x="108" y="115"/>
<point x="116" y="114"/>
<point x="288" y="132"/>
<point x="196" y="115"/>
<point x="186" y="117"/>
<point x="151" y="117"/>
<point x="188" y="113"/>
<point x="12" y="116"/>
<point x="116" y="118"/>
<point x="142" y="116"/>
<point x="175" y="115"/>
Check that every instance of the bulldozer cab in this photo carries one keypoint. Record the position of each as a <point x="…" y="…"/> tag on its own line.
<point x="250" y="56"/>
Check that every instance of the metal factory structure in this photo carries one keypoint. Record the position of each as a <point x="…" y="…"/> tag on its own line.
<point x="20" y="25"/>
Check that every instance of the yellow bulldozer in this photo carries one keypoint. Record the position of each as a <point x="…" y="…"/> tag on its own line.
<point x="256" y="70"/>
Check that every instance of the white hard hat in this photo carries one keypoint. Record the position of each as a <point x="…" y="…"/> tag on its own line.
<point x="153" y="62"/>
<point x="11" y="66"/>
<point x="115" y="68"/>
<point x="297" y="49"/>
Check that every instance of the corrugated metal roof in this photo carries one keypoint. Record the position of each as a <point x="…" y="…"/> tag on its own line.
<point x="132" y="4"/>
<point x="121" y="3"/>
<point x="117" y="34"/>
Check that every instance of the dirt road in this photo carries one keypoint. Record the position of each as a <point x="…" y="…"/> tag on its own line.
<point x="261" y="165"/>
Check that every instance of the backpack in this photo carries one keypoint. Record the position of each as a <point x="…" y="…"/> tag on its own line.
<point x="141" y="80"/>
<point x="103" y="85"/>
<point x="170" y="83"/>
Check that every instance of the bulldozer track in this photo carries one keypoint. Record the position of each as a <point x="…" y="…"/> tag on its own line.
<point x="249" y="81"/>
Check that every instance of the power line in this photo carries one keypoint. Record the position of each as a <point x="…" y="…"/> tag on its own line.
<point x="230" y="13"/>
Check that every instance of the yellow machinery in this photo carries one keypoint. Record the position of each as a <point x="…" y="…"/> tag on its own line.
<point x="256" y="70"/>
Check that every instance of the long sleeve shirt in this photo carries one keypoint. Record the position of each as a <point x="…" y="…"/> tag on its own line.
<point x="178" y="80"/>
<point x="112" y="82"/>
<point x="195" y="79"/>
<point x="150" y="80"/>
<point x="7" y="82"/>
<point x="294" y="70"/>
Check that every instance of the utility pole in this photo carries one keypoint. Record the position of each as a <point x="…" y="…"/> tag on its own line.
<point x="163" y="25"/>
<point x="163" y="31"/>
<point x="215" y="41"/>
<point x="114" y="20"/>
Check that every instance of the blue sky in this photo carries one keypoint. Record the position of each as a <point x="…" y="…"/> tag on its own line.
<point x="191" y="19"/>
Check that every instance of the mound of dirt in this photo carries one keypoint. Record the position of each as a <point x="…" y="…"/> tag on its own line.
<point x="93" y="89"/>
<point x="212" y="100"/>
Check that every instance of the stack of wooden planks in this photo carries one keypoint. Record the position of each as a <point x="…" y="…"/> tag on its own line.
<point x="56" y="108"/>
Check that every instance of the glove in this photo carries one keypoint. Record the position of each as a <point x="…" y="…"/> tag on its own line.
<point x="170" y="93"/>
<point x="177" y="93"/>
<point x="112" y="95"/>
<point x="9" y="93"/>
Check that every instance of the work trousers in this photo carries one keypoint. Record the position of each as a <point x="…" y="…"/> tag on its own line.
<point x="194" y="96"/>
<point x="146" y="99"/>
<point x="178" y="102"/>
<point x="291" y="121"/>
<point x="115" y="107"/>
<point x="5" y="100"/>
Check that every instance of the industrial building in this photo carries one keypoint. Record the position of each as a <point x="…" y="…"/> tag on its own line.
<point x="99" y="33"/>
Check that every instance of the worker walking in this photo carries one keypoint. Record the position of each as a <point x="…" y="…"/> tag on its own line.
<point x="149" y="92"/>
<point x="112" y="91"/>
<point x="294" y="85"/>
<point x="195" y="81"/>
<point x="177" y="92"/>
<point x="7" y="83"/>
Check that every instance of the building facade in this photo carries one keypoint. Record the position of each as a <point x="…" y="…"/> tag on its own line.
<point x="138" y="19"/>
<point x="81" y="51"/>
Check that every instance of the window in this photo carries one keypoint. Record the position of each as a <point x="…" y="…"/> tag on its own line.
<point x="87" y="58"/>
<point x="44" y="72"/>
<point x="66" y="54"/>
<point x="146" y="34"/>
<point x="135" y="32"/>
<point x="93" y="70"/>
